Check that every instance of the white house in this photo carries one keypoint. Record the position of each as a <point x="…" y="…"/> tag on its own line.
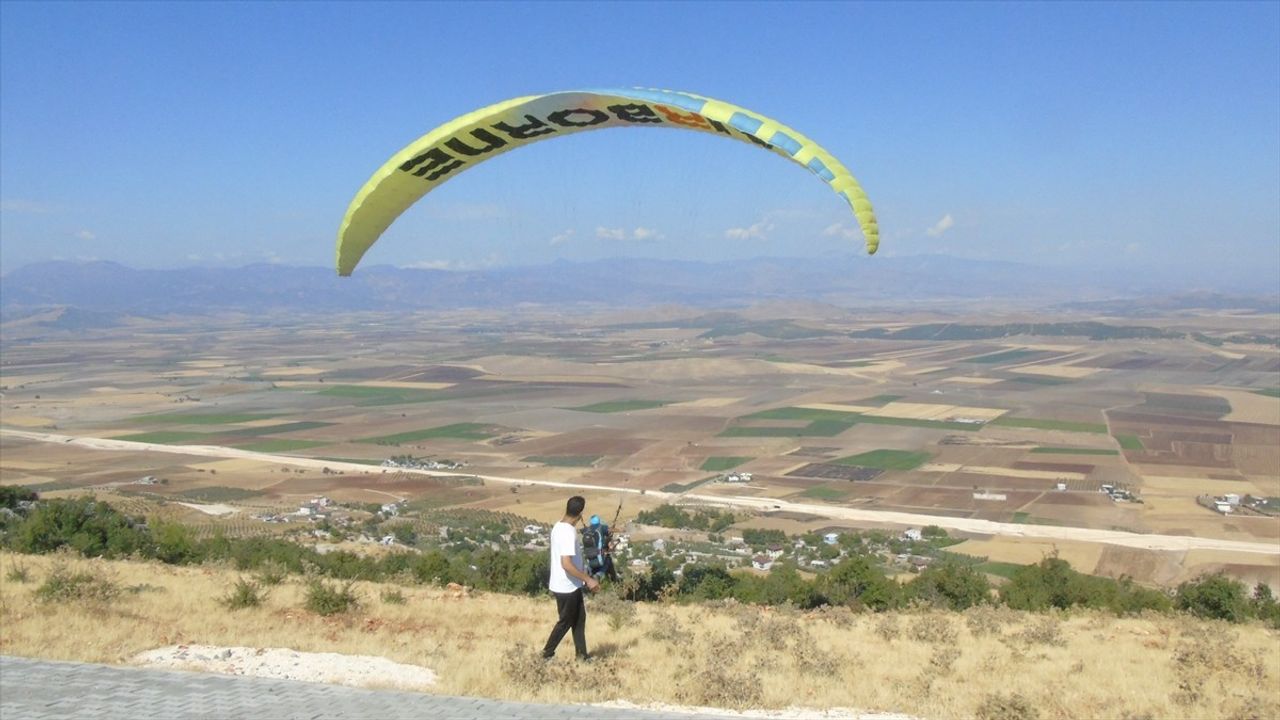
<point x="912" y="534"/>
<point x="1231" y="498"/>
<point x="391" y="509"/>
<point x="775" y="551"/>
<point x="762" y="562"/>
<point x="659" y="544"/>
<point x="532" y="529"/>
<point x="1223" y="507"/>
<point x="831" y="538"/>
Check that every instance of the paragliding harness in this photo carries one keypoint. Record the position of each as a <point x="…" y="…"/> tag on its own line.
<point x="597" y="547"/>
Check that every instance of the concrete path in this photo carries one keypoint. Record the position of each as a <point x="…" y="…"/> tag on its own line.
<point x="45" y="690"/>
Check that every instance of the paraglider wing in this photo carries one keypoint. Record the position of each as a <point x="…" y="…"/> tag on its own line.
<point x="475" y="137"/>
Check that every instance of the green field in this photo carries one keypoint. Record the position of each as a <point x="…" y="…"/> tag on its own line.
<point x="1040" y="424"/>
<point x="201" y="418"/>
<point x="817" y="428"/>
<point x="270" y="429"/>
<point x="1074" y="451"/>
<point x="281" y="445"/>
<point x="886" y="459"/>
<point x="456" y="431"/>
<point x="170" y="437"/>
<point x="1129" y="442"/>
<point x="799" y="413"/>
<point x="1040" y="380"/>
<point x="721" y="463"/>
<point x="686" y="487"/>
<point x="851" y="418"/>
<point x="614" y="406"/>
<point x="357" y="461"/>
<point x="912" y="422"/>
<point x="1025" y="518"/>
<point x="564" y="460"/>
<point x="218" y="494"/>
<point x="1004" y="356"/>
<point x="1269" y="392"/>
<point x="822" y="492"/>
<point x="374" y="395"/>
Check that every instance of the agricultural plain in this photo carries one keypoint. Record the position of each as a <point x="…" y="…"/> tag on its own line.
<point x="896" y="411"/>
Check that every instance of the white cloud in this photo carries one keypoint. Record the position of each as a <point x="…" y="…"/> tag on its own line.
<point x="941" y="226"/>
<point x="430" y="265"/>
<point x="561" y="238"/>
<point x="86" y="235"/>
<point x="621" y="234"/>
<point x="758" y="231"/>
<point x="841" y="230"/>
<point x="487" y="261"/>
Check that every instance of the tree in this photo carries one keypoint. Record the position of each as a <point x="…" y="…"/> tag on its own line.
<point x="951" y="585"/>
<point x="93" y="528"/>
<point x="858" y="582"/>
<point x="1213" y="596"/>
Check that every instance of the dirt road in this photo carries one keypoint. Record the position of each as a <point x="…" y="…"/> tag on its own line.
<point x="1175" y="543"/>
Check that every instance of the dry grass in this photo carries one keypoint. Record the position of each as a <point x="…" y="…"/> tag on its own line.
<point x="989" y="662"/>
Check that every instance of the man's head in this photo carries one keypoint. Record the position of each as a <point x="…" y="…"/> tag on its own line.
<point x="573" y="508"/>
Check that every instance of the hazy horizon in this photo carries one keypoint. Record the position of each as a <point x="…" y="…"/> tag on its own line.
<point x="1134" y="139"/>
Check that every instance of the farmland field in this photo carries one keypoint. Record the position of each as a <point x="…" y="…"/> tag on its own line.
<point x="874" y="411"/>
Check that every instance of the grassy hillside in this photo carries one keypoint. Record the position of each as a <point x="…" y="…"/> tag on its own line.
<point x="926" y="663"/>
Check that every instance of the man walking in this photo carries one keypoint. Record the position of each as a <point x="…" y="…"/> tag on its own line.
<point x="567" y="581"/>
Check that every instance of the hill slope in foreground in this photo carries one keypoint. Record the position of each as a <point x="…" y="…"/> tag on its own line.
<point x="988" y="662"/>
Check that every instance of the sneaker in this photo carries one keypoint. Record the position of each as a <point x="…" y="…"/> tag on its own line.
<point x="586" y="658"/>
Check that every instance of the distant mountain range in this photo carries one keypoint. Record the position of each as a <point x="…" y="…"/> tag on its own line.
<point x="103" y="288"/>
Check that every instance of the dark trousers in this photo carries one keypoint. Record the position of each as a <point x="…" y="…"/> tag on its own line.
<point x="573" y="616"/>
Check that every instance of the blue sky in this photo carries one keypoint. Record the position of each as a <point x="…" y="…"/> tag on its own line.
<point x="1143" y="136"/>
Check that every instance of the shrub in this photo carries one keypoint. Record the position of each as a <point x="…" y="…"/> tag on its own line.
<point x="1213" y="596"/>
<point x="393" y="597"/>
<point x="244" y="594"/>
<point x="326" y="598"/>
<point x="935" y="629"/>
<point x="996" y="706"/>
<point x="11" y="495"/>
<point x="950" y="585"/>
<point x="92" y="528"/>
<point x="272" y="572"/>
<point x="66" y="585"/>
<point x="859" y="583"/>
<point x="17" y="573"/>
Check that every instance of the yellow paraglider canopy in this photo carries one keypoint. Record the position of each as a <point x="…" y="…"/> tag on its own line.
<point x="475" y="137"/>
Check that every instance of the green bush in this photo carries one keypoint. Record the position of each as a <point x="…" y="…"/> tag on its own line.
<point x="66" y="585"/>
<point x="393" y="597"/>
<point x="857" y="582"/>
<point x="326" y="598"/>
<point x="92" y="528"/>
<point x="17" y="573"/>
<point x="1213" y="596"/>
<point x="11" y="495"/>
<point x="244" y="594"/>
<point x="950" y="585"/>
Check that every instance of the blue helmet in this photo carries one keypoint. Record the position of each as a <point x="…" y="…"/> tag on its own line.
<point x="595" y="519"/>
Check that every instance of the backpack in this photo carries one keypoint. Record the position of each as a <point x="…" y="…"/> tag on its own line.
<point x="595" y="546"/>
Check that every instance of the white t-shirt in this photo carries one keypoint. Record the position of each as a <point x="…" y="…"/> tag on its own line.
<point x="564" y="541"/>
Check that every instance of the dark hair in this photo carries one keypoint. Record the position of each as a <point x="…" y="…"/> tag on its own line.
<point x="574" y="507"/>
